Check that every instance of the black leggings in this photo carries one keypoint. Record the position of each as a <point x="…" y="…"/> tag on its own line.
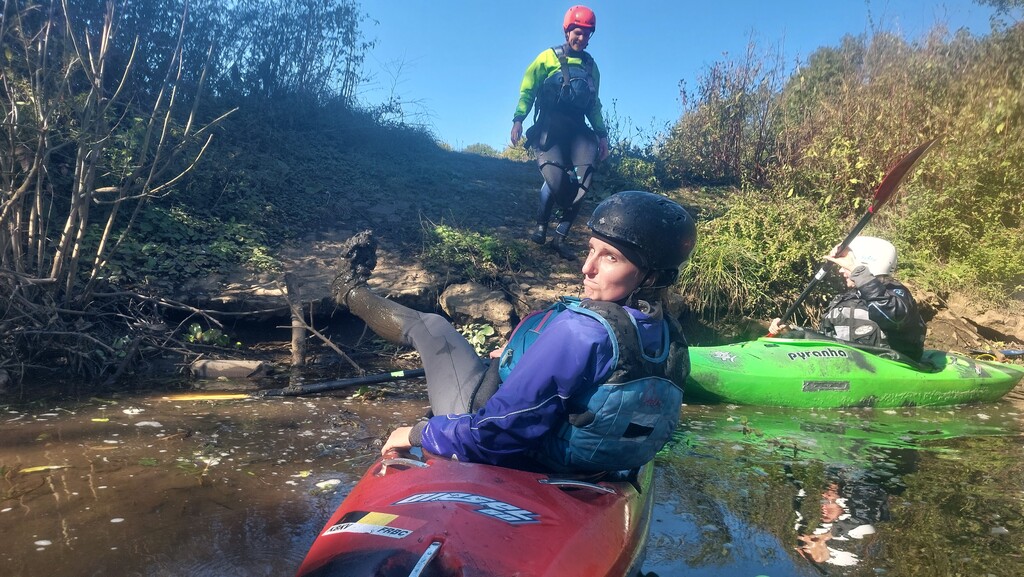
<point x="578" y="153"/>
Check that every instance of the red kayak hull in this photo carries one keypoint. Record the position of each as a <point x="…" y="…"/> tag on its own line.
<point x="440" y="518"/>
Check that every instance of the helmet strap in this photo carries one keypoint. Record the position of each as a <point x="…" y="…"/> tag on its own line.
<point x="658" y="279"/>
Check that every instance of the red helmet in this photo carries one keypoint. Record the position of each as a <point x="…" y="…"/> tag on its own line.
<point x="581" y="17"/>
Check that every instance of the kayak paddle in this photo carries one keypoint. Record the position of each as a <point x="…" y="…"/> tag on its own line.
<point x="883" y="193"/>
<point x="298" y="390"/>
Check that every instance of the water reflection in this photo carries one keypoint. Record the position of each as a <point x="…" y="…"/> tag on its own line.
<point x="755" y="491"/>
<point x="850" y="508"/>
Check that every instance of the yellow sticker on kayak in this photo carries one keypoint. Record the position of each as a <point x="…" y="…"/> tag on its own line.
<point x="381" y="519"/>
<point x="371" y="524"/>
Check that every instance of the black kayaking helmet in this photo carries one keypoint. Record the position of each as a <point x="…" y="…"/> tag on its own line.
<point x="652" y="231"/>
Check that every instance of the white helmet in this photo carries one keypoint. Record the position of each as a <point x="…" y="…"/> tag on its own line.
<point x="879" y="255"/>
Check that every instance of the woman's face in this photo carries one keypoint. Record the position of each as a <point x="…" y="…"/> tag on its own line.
<point x="607" y="275"/>
<point x="578" y="38"/>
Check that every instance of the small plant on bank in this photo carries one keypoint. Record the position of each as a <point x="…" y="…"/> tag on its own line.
<point x="215" y="337"/>
<point x="481" y="336"/>
<point x="470" y="254"/>
<point x="121" y="345"/>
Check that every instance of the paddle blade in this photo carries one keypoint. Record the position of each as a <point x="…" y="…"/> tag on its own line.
<point x="896" y="174"/>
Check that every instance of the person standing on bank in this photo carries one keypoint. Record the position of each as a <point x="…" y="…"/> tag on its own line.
<point x="876" y="309"/>
<point x="562" y="85"/>
<point x="581" y="387"/>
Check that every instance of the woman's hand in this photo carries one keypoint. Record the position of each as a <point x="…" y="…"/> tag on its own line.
<point x="517" y="131"/>
<point x="398" y="440"/>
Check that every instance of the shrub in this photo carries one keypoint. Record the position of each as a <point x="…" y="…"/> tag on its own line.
<point x="851" y="111"/>
<point x="756" y="257"/>
<point x="469" y="254"/>
<point x="482" y="150"/>
<point x="726" y="134"/>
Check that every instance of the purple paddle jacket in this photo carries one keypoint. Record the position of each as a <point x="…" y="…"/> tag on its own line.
<point x="572" y="355"/>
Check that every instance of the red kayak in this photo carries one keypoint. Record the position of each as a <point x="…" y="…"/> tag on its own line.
<point x="434" y="517"/>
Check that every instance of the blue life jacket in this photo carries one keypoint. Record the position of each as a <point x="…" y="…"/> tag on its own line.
<point x="624" y="421"/>
<point x="572" y="88"/>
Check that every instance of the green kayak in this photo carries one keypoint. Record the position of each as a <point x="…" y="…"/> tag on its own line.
<point x="821" y="373"/>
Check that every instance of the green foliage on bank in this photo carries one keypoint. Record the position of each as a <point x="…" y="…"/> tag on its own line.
<point x="756" y="246"/>
<point x="201" y="149"/>
<point x="149" y="146"/>
<point x="471" y="255"/>
<point x="795" y="156"/>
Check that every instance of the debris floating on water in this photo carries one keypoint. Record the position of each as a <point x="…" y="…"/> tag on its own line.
<point x="328" y="484"/>
<point x="43" y="468"/>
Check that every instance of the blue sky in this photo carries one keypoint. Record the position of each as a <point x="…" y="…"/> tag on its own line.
<point x="457" y="64"/>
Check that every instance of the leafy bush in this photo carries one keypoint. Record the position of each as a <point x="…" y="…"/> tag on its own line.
<point x="517" y="152"/>
<point x="757" y="257"/>
<point x="483" y="337"/>
<point x="201" y="244"/>
<point x="841" y="120"/>
<point x="631" y="163"/>
<point x="197" y="335"/>
<point x="726" y="134"/>
<point x="482" y="150"/>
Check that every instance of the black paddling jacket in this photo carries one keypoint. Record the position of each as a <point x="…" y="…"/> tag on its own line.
<point x="880" y="311"/>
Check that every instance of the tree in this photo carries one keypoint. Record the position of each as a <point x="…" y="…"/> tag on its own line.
<point x="482" y="150"/>
<point x="86" y="148"/>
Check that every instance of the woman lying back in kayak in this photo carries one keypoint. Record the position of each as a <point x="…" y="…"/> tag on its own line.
<point x="590" y="393"/>
<point x="876" y="310"/>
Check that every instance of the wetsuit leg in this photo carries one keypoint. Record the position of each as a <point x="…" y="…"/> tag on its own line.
<point x="554" y="167"/>
<point x="584" y="154"/>
<point x="547" y="202"/>
<point x="453" y="369"/>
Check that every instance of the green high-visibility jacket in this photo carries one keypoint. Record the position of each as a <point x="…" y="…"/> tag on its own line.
<point x="545" y="65"/>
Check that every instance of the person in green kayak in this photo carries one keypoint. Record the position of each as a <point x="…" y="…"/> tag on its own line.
<point x="876" y="309"/>
<point x="584" y="385"/>
<point x="562" y="85"/>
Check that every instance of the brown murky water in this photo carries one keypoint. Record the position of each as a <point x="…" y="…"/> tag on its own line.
<point x="147" y="486"/>
<point x="142" y="486"/>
